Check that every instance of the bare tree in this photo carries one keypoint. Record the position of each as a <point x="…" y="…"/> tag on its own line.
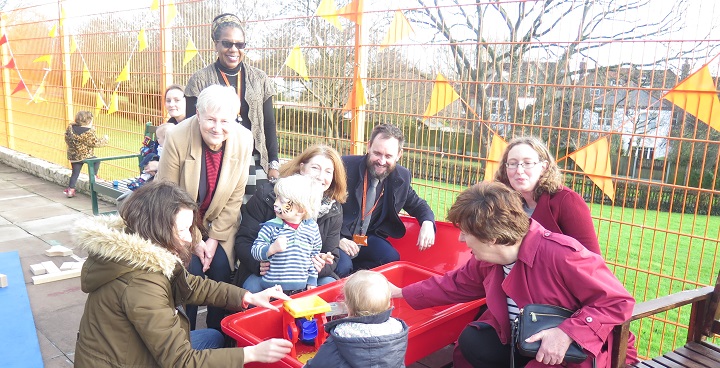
<point x="535" y="32"/>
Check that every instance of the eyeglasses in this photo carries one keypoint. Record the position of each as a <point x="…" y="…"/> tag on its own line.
<point x="228" y="44"/>
<point x="524" y="165"/>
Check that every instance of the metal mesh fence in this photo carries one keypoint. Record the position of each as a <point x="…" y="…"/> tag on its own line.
<point x="584" y="76"/>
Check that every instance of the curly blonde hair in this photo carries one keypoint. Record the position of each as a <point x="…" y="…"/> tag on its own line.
<point x="551" y="180"/>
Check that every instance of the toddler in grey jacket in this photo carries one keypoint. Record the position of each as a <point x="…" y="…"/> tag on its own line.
<point x="369" y="337"/>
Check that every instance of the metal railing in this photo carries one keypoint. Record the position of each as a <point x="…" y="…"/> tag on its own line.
<point x="571" y="72"/>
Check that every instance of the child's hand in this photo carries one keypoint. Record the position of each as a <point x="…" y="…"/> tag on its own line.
<point x="279" y="245"/>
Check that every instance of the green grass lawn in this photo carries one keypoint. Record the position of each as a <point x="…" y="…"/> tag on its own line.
<point x="653" y="253"/>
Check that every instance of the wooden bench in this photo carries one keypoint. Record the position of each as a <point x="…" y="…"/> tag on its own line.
<point x="703" y="324"/>
<point x="106" y="188"/>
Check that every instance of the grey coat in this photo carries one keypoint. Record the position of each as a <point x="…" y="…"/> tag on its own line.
<point x="386" y="351"/>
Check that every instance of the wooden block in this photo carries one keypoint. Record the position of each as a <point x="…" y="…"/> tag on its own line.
<point x="38" y="269"/>
<point x="62" y="275"/>
<point x="77" y="258"/>
<point x="3" y="280"/>
<point x="67" y="266"/>
<point x="58" y="251"/>
<point x="50" y="267"/>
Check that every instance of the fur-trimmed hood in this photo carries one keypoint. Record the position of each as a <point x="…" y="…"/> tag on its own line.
<point x="117" y="253"/>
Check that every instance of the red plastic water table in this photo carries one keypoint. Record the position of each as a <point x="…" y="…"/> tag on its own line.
<point x="446" y="255"/>
<point x="430" y="329"/>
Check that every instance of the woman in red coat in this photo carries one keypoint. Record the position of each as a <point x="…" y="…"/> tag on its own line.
<point x="518" y="262"/>
<point x="528" y="167"/>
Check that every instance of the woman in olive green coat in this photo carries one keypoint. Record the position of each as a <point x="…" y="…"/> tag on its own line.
<point x="134" y="315"/>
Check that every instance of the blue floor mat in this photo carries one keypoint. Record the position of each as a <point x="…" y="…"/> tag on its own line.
<point x="19" y="345"/>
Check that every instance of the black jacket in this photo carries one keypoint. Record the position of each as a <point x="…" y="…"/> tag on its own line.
<point x="398" y="195"/>
<point x="258" y="210"/>
<point x="367" y="352"/>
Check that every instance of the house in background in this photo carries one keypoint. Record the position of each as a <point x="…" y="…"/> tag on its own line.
<point x="630" y="101"/>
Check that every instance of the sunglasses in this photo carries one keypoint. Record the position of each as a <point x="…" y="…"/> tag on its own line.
<point x="228" y="44"/>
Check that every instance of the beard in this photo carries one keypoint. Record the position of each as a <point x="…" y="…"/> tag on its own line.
<point x="371" y="168"/>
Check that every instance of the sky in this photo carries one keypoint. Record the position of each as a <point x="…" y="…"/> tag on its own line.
<point x="697" y="22"/>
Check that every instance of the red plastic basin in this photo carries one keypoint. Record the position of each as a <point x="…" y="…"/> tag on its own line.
<point x="430" y="329"/>
<point x="446" y="255"/>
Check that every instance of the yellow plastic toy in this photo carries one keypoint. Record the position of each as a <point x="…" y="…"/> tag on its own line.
<point x="309" y="308"/>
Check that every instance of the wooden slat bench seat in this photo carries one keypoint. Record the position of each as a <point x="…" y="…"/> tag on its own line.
<point x="704" y="323"/>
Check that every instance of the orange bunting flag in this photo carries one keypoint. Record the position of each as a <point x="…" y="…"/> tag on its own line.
<point x="190" y="52"/>
<point x="352" y="11"/>
<point x="594" y="160"/>
<point x="142" y="40"/>
<point x="99" y="103"/>
<point x="53" y="31"/>
<point x="113" y="103"/>
<point x="492" y="163"/>
<point x="45" y="58"/>
<point x="155" y="5"/>
<point x="357" y="97"/>
<point x="124" y="74"/>
<point x="10" y="64"/>
<point x="73" y="44"/>
<point x="443" y="94"/>
<point x="296" y="62"/>
<point x="399" y="30"/>
<point x="170" y="12"/>
<point x="85" y="75"/>
<point x="3" y="40"/>
<point x="328" y="11"/>
<point x="697" y="95"/>
<point x="20" y="86"/>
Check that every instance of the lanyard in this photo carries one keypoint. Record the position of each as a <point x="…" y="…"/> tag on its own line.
<point x="239" y="90"/>
<point x="364" y="198"/>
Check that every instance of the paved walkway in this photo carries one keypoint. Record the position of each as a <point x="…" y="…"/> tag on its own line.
<point x="34" y="212"/>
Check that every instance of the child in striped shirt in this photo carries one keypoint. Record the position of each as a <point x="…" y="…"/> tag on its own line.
<point x="292" y="239"/>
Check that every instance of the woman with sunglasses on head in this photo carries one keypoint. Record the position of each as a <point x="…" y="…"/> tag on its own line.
<point x="528" y="167"/>
<point x="254" y="89"/>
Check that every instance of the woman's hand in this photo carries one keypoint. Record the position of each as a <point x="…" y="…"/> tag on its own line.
<point x="273" y="175"/>
<point x="264" y="267"/>
<point x="262" y="299"/>
<point x="321" y="259"/>
<point x="395" y="292"/>
<point x="554" y="343"/>
<point x="209" y="252"/>
<point x="269" y="351"/>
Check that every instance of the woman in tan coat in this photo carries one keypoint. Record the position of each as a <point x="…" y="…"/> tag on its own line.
<point x="134" y="315"/>
<point x="208" y="155"/>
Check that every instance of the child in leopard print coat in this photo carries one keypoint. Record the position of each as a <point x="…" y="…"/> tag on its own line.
<point x="81" y="139"/>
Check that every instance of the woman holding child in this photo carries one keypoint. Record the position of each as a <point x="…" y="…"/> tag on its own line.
<point x="323" y="164"/>
<point x="528" y="167"/>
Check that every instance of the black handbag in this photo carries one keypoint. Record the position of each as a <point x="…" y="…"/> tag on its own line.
<point x="534" y="318"/>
